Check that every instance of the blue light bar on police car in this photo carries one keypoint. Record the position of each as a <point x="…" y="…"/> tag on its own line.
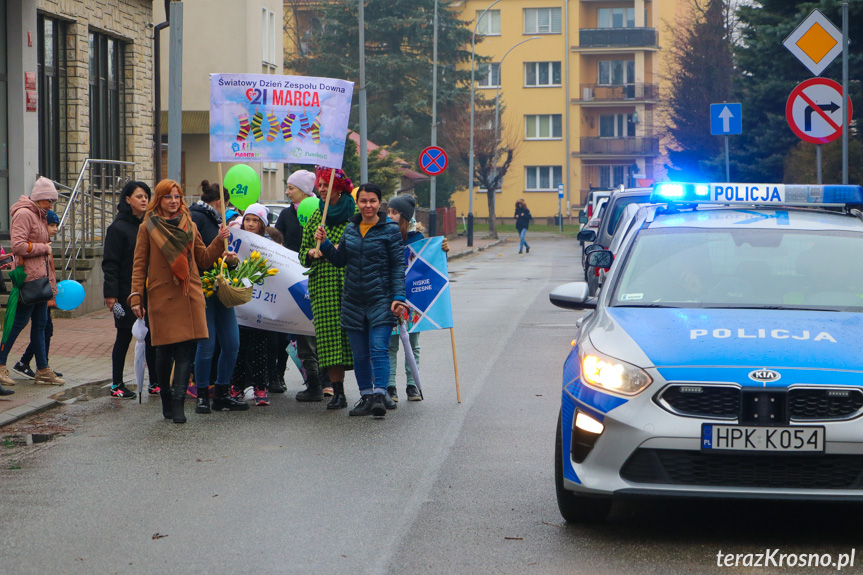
<point x="731" y="193"/>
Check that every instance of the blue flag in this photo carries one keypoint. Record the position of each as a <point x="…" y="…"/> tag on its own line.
<point x="427" y="286"/>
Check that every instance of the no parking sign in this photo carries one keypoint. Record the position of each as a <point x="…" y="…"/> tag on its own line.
<point x="433" y="161"/>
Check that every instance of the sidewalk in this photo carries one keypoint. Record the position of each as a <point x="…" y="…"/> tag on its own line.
<point x="81" y="351"/>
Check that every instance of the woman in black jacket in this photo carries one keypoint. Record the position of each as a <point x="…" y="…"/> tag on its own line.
<point x="119" y="255"/>
<point x="372" y="253"/>
<point x="522" y="222"/>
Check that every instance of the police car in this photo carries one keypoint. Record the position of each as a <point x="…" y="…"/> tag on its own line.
<point x="722" y="355"/>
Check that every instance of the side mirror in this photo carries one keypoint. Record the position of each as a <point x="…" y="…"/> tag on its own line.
<point x="586" y="236"/>
<point x="582" y="217"/>
<point x="573" y="295"/>
<point x="600" y="259"/>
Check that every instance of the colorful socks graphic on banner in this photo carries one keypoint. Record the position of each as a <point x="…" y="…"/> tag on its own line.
<point x="274" y="127"/>
<point x="316" y="129"/>
<point x="244" y="127"/>
<point x="256" y="126"/>
<point x="286" y="127"/>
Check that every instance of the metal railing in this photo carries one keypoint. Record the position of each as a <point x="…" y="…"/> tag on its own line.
<point x="618" y="92"/>
<point x="88" y="209"/>
<point x="617" y="37"/>
<point x="620" y="146"/>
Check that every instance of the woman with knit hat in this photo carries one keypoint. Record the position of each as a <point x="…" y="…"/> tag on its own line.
<point x="400" y="209"/>
<point x="168" y="256"/>
<point x="119" y="255"/>
<point x="326" y="281"/>
<point x="32" y="248"/>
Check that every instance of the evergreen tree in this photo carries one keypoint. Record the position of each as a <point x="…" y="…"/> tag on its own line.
<point x="768" y="73"/>
<point x="399" y="40"/>
<point x="701" y="70"/>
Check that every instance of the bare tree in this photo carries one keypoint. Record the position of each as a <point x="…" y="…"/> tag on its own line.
<point x="494" y="151"/>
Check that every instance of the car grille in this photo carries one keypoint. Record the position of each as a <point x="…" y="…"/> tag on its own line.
<point x="724" y="402"/>
<point x="678" y="467"/>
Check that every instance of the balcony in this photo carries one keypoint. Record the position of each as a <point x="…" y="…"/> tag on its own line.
<point x="603" y="93"/>
<point x="618" y="147"/>
<point x="617" y="38"/>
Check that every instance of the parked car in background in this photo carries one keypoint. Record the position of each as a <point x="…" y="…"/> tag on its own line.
<point x="275" y="208"/>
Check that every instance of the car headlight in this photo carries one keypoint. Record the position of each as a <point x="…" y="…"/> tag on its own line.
<point x="613" y="374"/>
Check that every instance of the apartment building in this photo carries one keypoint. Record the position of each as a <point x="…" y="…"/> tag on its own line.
<point x="580" y="81"/>
<point x="75" y="83"/>
<point x="220" y="37"/>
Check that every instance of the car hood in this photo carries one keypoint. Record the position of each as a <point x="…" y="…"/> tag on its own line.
<point x="727" y="344"/>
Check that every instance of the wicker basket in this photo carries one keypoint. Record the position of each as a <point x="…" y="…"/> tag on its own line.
<point x="231" y="295"/>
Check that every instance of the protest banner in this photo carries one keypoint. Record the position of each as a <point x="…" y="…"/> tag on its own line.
<point x="428" y="293"/>
<point x="282" y="303"/>
<point x="285" y="119"/>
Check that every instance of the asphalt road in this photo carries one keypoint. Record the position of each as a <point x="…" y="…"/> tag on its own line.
<point x="437" y="487"/>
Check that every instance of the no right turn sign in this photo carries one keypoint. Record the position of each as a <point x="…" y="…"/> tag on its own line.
<point x="814" y="110"/>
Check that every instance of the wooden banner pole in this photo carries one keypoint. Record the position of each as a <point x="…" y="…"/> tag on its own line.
<point x="327" y="204"/>
<point x="455" y="365"/>
<point x="222" y="201"/>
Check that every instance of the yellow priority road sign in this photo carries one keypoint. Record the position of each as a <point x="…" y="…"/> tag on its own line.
<point x="815" y="42"/>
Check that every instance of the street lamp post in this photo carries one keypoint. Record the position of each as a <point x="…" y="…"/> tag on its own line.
<point x="497" y="99"/>
<point x="470" y="153"/>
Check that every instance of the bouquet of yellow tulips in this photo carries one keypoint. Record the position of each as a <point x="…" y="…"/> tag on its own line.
<point x="233" y="287"/>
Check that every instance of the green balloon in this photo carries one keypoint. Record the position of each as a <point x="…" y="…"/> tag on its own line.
<point x="306" y="208"/>
<point x="244" y="185"/>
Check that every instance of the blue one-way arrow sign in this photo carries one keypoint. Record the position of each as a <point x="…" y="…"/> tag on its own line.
<point x="726" y="119"/>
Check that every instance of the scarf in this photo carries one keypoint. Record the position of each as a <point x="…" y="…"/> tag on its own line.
<point x="173" y="237"/>
<point x="341" y="211"/>
<point x="210" y="210"/>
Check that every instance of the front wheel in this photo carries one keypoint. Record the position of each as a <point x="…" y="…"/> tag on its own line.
<point x="575" y="508"/>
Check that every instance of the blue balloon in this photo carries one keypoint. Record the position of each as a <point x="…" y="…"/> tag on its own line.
<point x="70" y="294"/>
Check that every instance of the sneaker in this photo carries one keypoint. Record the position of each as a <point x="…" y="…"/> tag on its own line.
<point x="192" y="390"/>
<point x="379" y="408"/>
<point x="57" y="373"/>
<point x="363" y="406"/>
<point x="328" y="391"/>
<point x="23" y="369"/>
<point x="393" y="393"/>
<point x="389" y="403"/>
<point x="261" y="399"/>
<point x="527" y="248"/>
<point x="249" y="393"/>
<point x="153" y="389"/>
<point x="4" y="376"/>
<point x="235" y="393"/>
<point x="122" y="392"/>
<point x="48" y="377"/>
<point x="413" y="393"/>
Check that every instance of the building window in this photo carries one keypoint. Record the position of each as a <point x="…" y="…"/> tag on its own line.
<point x="613" y="176"/>
<point x="268" y="37"/>
<point x="543" y="127"/>
<point x="616" y="72"/>
<point x="489" y="23"/>
<point x="616" y="126"/>
<point x="542" y="178"/>
<point x="51" y="43"/>
<point x="107" y="98"/>
<point x="542" y="73"/>
<point x="616" y="17"/>
<point x="542" y="20"/>
<point x="489" y="75"/>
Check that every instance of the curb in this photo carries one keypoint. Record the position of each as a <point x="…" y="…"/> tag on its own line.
<point x="469" y="251"/>
<point x="38" y="406"/>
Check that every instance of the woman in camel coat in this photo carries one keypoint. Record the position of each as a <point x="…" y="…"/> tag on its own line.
<point x="169" y="255"/>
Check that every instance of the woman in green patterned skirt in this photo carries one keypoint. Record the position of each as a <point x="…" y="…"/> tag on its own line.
<point x="326" y="282"/>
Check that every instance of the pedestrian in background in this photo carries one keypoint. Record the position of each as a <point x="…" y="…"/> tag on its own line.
<point x="218" y="352"/>
<point x="326" y="281"/>
<point x="522" y="222"/>
<point x="301" y="185"/>
<point x="31" y="245"/>
<point x="372" y="253"/>
<point x="119" y="256"/>
<point x="23" y="364"/>
<point x="168" y="256"/>
<point x="401" y="210"/>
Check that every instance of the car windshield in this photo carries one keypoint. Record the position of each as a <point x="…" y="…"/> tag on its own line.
<point x="759" y="269"/>
<point x="620" y="205"/>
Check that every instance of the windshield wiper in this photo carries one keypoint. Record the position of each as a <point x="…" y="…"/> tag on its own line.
<point x="644" y="305"/>
<point x="777" y="307"/>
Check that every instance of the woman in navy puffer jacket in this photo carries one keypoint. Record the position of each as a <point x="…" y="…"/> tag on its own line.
<point x="372" y="252"/>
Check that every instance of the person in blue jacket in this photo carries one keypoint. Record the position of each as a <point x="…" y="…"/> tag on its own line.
<point x="400" y="209"/>
<point x="372" y="252"/>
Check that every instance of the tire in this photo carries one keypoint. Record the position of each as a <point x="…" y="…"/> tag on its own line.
<point x="575" y="508"/>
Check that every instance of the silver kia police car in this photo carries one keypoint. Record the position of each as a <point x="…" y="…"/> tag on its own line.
<point x="723" y="354"/>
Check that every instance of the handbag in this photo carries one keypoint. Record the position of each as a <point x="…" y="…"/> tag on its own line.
<point x="36" y="291"/>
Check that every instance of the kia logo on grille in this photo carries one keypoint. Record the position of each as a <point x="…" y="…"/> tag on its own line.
<point x="764" y="375"/>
